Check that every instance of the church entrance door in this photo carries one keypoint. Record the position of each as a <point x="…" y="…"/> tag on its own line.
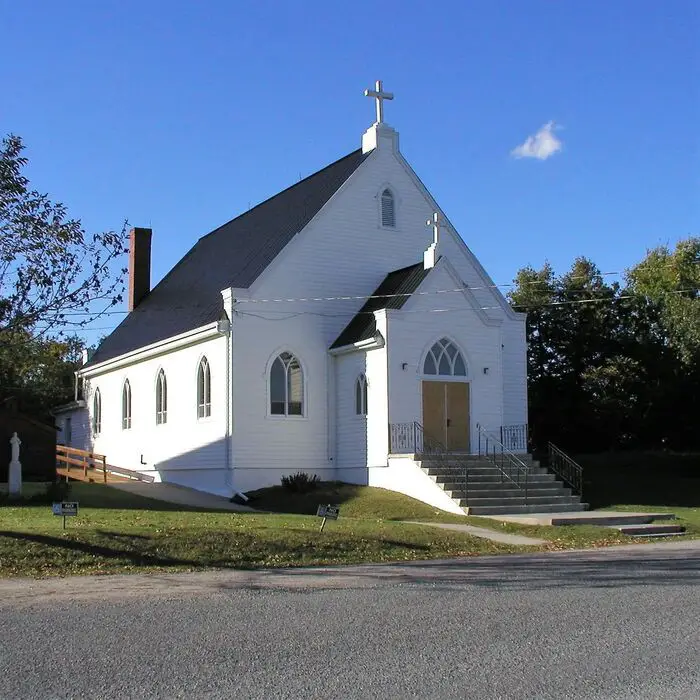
<point x="446" y="413"/>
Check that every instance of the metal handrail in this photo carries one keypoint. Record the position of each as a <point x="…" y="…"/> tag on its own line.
<point x="509" y="464"/>
<point x="566" y="468"/>
<point x="515" y="437"/>
<point x="411" y="437"/>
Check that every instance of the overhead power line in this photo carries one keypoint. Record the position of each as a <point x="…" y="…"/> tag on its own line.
<point x="366" y="297"/>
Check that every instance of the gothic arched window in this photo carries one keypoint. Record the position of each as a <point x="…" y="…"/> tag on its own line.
<point x="126" y="405"/>
<point x="97" y="412"/>
<point x="286" y="386"/>
<point x="361" y="395"/>
<point x="203" y="389"/>
<point x="161" y="398"/>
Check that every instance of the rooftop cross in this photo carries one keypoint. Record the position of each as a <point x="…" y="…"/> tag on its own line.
<point x="436" y="223"/>
<point x="379" y="96"/>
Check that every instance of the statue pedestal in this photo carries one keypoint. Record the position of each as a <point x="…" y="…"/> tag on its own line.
<point x="15" y="476"/>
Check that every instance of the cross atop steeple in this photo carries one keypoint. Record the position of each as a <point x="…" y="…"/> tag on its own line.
<point x="435" y="223"/>
<point x="430" y="257"/>
<point x="379" y="96"/>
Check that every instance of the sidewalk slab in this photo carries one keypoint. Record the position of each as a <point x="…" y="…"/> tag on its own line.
<point x="483" y="532"/>
<point x="602" y="518"/>
<point x="180" y="495"/>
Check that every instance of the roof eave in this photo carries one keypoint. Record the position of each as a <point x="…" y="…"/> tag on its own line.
<point x="377" y="341"/>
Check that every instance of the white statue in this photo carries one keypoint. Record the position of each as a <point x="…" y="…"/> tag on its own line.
<point x="15" y="476"/>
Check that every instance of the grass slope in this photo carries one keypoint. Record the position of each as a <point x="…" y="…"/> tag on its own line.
<point x="355" y="501"/>
<point x="374" y="503"/>
<point x="117" y="532"/>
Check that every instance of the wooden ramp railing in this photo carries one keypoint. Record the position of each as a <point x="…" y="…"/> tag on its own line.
<point x="86" y="462"/>
<point x="82" y="465"/>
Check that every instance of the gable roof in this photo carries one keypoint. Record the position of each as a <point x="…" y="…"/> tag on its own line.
<point x="401" y="282"/>
<point x="233" y="255"/>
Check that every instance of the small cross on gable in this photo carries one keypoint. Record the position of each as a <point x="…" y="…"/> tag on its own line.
<point x="379" y="96"/>
<point x="435" y="223"/>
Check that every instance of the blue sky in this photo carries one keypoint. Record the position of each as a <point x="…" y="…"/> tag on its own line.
<point x="179" y="115"/>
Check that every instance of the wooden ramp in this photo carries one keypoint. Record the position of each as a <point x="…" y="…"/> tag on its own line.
<point x="81" y="465"/>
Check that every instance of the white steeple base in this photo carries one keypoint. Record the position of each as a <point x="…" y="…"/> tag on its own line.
<point x="380" y="136"/>
<point x="430" y="257"/>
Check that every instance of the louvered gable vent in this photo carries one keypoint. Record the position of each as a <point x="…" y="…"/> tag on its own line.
<point x="388" y="209"/>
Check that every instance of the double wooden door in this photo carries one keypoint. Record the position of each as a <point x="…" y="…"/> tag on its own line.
<point x="446" y="413"/>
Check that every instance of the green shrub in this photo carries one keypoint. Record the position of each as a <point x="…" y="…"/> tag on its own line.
<point x="301" y="482"/>
<point x="56" y="491"/>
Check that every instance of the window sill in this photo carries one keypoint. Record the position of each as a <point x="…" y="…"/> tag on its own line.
<point x="277" y="417"/>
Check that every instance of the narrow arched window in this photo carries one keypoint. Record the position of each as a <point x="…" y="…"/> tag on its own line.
<point x="126" y="405"/>
<point x="286" y="386"/>
<point x="445" y="359"/>
<point x="361" y="395"/>
<point x="203" y="389"/>
<point x="97" y="413"/>
<point x="161" y="398"/>
<point x="388" y="209"/>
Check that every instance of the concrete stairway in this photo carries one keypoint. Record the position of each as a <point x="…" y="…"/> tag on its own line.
<point x="489" y="492"/>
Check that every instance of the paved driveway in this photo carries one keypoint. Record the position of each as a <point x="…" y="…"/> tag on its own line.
<point x="619" y="623"/>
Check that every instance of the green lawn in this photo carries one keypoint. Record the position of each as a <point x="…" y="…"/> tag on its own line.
<point x="120" y="533"/>
<point x="379" y="504"/>
<point x="117" y="532"/>
<point x="355" y="502"/>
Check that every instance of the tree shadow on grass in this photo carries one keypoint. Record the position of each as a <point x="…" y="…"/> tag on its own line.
<point x="122" y="535"/>
<point x="138" y="558"/>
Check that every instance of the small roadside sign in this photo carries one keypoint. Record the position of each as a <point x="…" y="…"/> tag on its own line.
<point x="66" y="509"/>
<point x="327" y="512"/>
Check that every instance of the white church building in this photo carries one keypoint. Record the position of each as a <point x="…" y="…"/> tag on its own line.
<point x="330" y="330"/>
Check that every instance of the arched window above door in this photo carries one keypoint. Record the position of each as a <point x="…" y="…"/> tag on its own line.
<point x="444" y="359"/>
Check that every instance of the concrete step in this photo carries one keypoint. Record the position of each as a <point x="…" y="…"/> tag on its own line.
<point x="501" y="485"/>
<point x="506" y="491"/>
<point x="481" y="471"/>
<point x="651" y="530"/>
<point x="613" y="519"/>
<point x="474" y="464"/>
<point x="522" y="501"/>
<point x="513" y="510"/>
<point x="484" y="481"/>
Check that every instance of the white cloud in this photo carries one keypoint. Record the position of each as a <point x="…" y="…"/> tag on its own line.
<point x="541" y="146"/>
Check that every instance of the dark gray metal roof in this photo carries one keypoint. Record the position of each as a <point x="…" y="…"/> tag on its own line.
<point x="399" y="282"/>
<point x="233" y="255"/>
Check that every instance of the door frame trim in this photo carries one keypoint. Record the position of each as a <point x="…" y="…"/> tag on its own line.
<point x="461" y="380"/>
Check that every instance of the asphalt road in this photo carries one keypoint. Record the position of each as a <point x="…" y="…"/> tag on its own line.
<point x="621" y="623"/>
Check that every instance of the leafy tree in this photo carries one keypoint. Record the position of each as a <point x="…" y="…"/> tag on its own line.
<point x="52" y="274"/>
<point x="612" y="366"/>
<point x="40" y="373"/>
<point x="53" y="277"/>
<point x="671" y="281"/>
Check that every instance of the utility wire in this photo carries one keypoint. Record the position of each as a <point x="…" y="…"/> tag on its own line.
<point x="293" y="314"/>
<point x="367" y="297"/>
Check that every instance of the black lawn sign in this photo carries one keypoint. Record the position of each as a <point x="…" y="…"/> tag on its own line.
<point x="66" y="509"/>
<point x="327" y="512"/>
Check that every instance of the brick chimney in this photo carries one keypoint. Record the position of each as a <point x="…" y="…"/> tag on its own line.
<point x="139" y="265"/>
